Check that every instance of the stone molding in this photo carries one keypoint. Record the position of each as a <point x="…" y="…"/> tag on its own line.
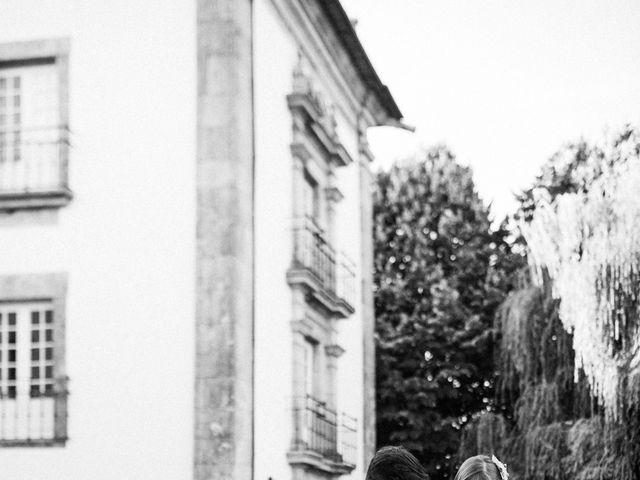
<point x="368" y="312"/>
<point x="305" y="459"/>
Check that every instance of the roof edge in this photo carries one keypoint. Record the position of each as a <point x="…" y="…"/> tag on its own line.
<point x="350" y="41"/>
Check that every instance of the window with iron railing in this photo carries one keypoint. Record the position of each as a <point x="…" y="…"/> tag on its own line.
<point x="312" y="251"/>
<point x="319" y="429"/>
<point x="34" y="141"/>
<point x="31" y="397"/>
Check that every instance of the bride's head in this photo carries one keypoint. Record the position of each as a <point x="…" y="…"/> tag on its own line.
<point x="395" y="463"/>
<point x="482" y="467"/>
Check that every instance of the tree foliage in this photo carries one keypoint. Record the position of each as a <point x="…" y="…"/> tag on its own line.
<point x="441" y="272"/>
<point x="589" y="243"/>
<point x="555" y="420"/>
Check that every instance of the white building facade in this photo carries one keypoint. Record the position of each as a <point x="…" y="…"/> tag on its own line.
<point x="185" y="238"/>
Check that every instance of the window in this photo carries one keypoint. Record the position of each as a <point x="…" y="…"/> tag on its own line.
<point x="33" y="125"/>
<point x="311" y="198"/>
<point x="309" y="362"/>
<point x="33" y="385"/>
<point x="29" y="136"/>
<point x="27" y="395"/>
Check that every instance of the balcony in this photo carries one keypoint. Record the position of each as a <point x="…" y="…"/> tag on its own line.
<point x="349" y="439"/>
<point x="34" y="168"/>
<point x="323" y="439"/>
<point x="327" y="277"/>
<point x="33" y="418"/>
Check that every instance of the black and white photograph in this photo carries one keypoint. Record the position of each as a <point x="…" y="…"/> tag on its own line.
<point x="319" y="240"/>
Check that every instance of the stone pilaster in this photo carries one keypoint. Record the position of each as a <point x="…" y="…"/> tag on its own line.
<point x="368" y="313"/>
<point x="332" y="353"/>
<point x="223" y="448"/>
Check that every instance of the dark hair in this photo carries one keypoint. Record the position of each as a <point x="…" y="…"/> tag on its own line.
<point x="395" y="463"/>
<point x="480" y="467"/>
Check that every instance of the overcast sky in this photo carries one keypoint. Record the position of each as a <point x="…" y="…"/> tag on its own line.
<point x="504" y="83"/>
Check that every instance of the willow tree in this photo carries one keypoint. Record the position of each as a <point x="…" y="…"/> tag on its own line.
<point x="440" y="274"/>
<point x="568" y="370"/>
<point x="589" y="243"/>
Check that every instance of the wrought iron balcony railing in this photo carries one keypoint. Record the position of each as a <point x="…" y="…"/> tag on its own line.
<point x="348" y="439"/>
<point x="321" y="430"/>
<point x="316" y="428"/>
<point x="28" y="418"/>
<point x="346" y="279"/>
<point x="312" y="252"/>
<point x="33" y="161"/>
<point x="334" y="272"/>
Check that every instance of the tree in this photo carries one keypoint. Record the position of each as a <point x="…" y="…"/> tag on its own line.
<point x="440" y="274"/>
<point x="567" y="373"/>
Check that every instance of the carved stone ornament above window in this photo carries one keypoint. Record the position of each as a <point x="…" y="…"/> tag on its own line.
<point x="334" y="195"/>
<point x="334" y="350"/>
<point x="312" y="117"/>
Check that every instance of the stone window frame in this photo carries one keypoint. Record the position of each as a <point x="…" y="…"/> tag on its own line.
<point x="316" y="152"/>
<point x="52" y="288"/>
<point x="310" y="328"/>
<point x="38" y="52"/>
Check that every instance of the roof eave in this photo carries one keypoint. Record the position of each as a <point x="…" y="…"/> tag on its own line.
<point x="349" y="38"/>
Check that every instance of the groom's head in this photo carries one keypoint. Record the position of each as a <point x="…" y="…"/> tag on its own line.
<point x="395" y="463"/>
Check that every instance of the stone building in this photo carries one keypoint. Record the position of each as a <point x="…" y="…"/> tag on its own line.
<point x="185" y="238"/>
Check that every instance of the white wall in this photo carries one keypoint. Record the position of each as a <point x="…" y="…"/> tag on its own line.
<point x="127" y="239"/>
<point x="275" y="58"/>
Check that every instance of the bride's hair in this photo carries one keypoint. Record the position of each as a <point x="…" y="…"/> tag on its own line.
<point x="480" y="467"/>
<point x="395" y="463"/>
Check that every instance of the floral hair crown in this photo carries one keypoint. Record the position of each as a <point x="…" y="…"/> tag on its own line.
<point x="502" y="468"/>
